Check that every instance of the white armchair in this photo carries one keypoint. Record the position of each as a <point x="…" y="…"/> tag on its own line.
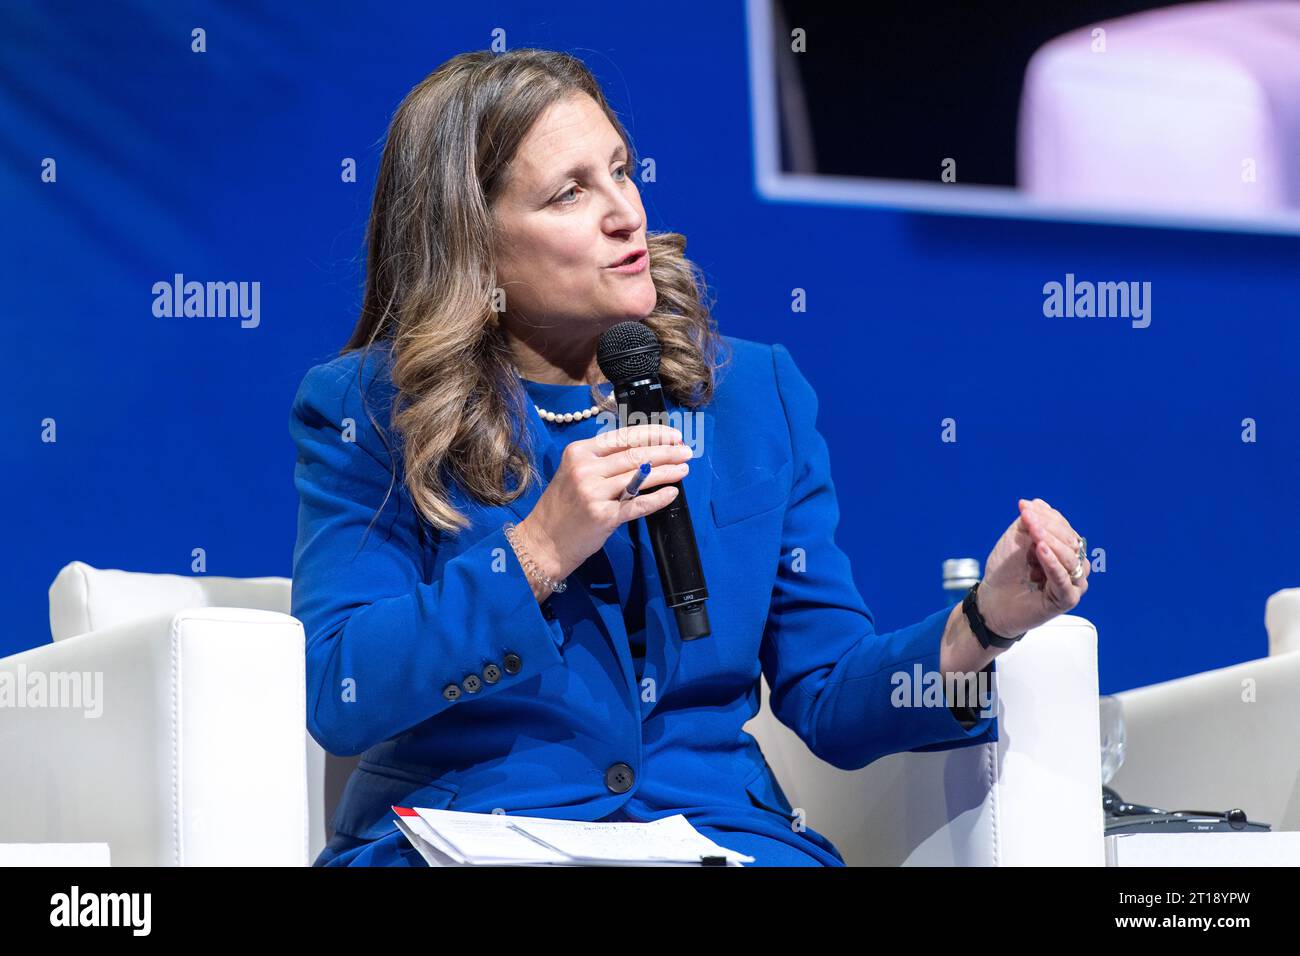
<point x="200" y="738"/>
<point x="1223" y="738"/>
<point x="201" y="755"/>
<point x="1032" y="798"/>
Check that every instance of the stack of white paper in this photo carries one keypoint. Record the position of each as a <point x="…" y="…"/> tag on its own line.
<point x="455" y="838"/>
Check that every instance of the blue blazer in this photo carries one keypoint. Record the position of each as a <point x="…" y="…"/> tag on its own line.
<point x="428" y="653"/>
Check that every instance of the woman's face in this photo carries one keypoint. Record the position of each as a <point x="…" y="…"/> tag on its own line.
<point x="570" y="209"/>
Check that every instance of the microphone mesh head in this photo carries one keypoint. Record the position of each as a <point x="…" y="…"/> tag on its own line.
<point x="628" y="350"/>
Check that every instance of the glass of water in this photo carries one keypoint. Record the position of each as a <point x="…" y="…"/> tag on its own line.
<point x="1112" y="736"/>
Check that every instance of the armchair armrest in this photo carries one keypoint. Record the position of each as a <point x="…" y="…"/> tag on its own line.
<point x="1217" y="740"/>
<point x="178" y="739"/>
<point x="1032" y="797"/>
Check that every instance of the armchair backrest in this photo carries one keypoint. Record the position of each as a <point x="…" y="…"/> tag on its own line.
<point x="1282" y="621"/>
<point x="84" y="599"/>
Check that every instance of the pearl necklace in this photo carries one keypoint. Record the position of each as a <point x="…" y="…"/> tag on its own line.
<point x="563" y="418"/>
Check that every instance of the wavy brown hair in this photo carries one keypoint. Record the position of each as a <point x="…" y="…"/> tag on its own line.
<point x="459" y="406"/>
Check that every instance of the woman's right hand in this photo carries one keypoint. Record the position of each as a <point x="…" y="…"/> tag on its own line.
<point x="579" y="508"/>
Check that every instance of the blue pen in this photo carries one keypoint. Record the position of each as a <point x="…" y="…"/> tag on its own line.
<point x="634" y="485"/>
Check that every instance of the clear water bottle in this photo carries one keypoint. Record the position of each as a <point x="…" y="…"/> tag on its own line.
<point x="958" y="576"/>
<point x="1113" y="743"/>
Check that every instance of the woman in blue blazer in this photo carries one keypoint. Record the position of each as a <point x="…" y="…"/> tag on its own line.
<point x="484" y="619"/>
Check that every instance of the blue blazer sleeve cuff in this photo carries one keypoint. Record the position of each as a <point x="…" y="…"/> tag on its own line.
<point x="960" y="723"/>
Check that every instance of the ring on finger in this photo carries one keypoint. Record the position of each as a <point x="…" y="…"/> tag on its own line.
<point x="1082" y="555"/>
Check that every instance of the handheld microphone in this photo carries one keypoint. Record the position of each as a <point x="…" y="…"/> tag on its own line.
<point x="628" y="355"/>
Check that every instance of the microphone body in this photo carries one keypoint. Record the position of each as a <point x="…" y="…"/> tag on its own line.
<point x="640" y="398"/>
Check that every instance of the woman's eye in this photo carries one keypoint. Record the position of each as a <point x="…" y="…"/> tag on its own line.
<point x="563" y="202"/>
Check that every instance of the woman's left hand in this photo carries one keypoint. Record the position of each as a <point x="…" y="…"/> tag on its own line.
<point x="1027" y="575"/>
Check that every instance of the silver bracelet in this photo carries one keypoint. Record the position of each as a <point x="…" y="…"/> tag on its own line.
<point x="529" y="564"/>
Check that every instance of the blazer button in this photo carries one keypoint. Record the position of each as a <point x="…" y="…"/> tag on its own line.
<point x="471" y="683"/>
<point x="491" y="673"/>
<point x="512" y="663"/>
<point x="451" y="692"/>
<point x="548" y="612"/>
<point x="619" y="778"/>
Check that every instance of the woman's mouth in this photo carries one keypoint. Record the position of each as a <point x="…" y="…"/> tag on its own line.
<point x="632" y="263"/>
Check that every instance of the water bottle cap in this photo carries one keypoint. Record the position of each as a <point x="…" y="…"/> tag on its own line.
<point x="960" y="572"/>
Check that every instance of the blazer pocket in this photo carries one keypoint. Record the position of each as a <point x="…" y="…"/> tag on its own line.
<point x="372" y="789"/>
<point x="736" y="504"/>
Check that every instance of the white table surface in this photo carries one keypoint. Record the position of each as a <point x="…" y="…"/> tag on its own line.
<point x="54" y="854"/>
<point x="1276" y="848"/>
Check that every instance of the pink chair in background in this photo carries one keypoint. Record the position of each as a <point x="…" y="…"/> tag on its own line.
<point x="1185" y="109"/>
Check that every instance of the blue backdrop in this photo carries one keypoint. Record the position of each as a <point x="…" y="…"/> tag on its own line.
<point x="225" y="166"/>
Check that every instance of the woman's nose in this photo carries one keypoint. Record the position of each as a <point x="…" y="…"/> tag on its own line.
<point x="623" y="214"/>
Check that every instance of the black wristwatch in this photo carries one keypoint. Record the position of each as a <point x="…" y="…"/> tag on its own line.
<point x="986" y="637"/>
